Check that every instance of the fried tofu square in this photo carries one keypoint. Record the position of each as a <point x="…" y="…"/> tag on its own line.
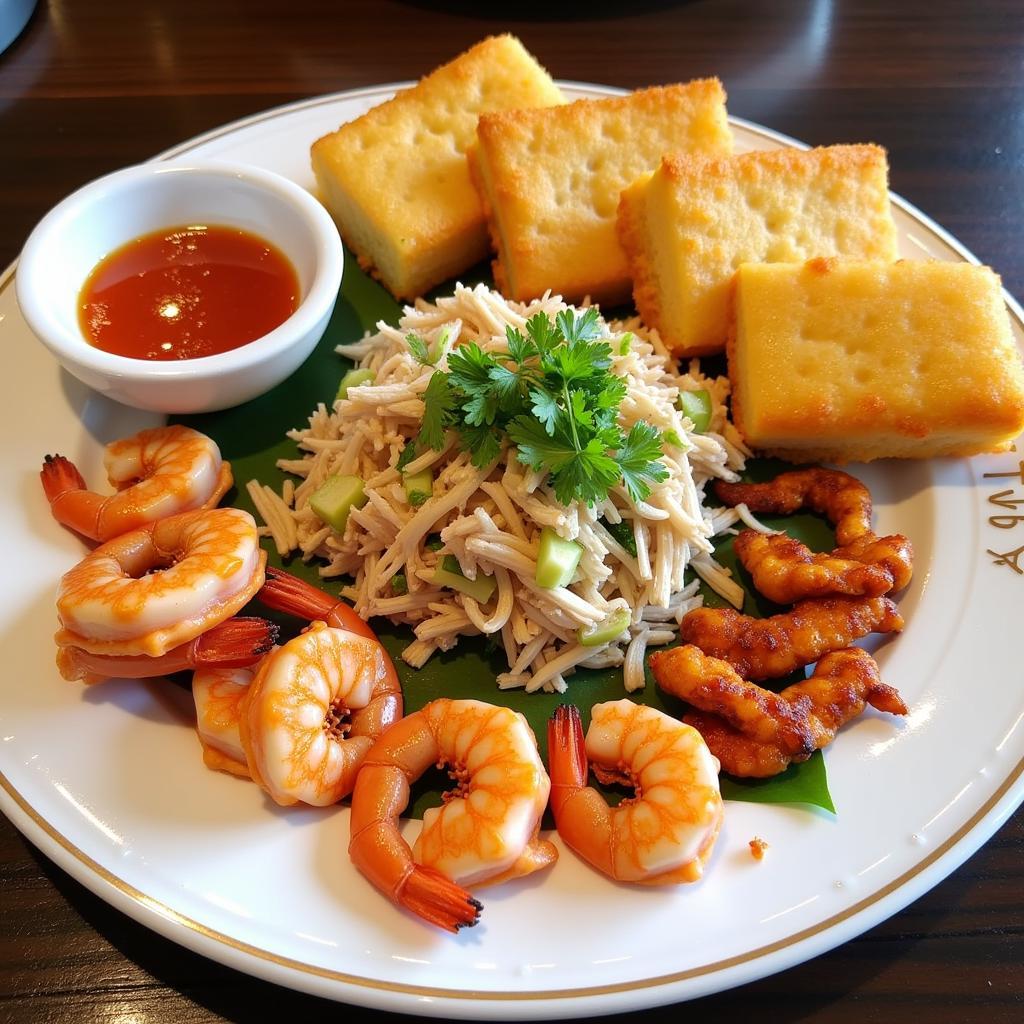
<point x="846" y="360"/>
<point x="551" y="180"/>
<point x="396" y="179"/>
<point x="690" y="224"/>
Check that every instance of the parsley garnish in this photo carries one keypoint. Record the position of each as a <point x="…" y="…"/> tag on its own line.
<point x="419" y="350"/>
<point x="639" y="460"/>
<point x="423" y="353"/>
<point x="440" y="409"/>
<point x="408" y="454"/>
<point x="554" y="396"/>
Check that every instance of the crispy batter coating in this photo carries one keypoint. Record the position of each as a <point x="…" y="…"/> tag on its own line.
<point x="755" y="732"/>
<point x="773" y="647"/>
<point x="784" y="570"/>
<point x="895" y="554"/>
<point x="738" y="754"/>
<point x="846" y="502"/>
<point x="841" y="498"/>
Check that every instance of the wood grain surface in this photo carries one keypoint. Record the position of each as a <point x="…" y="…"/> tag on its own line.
<point x="90" y="87"/>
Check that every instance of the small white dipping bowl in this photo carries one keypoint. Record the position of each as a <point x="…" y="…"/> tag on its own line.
<point x="73" y="237"/>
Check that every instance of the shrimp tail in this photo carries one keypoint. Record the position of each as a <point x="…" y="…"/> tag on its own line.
<point x="437" y="899"/>
<point x="567" y="754"/>
<point x="287" y="593"/>
<point x="60" y="474"/>
<point x="236" y="643"/>
<point x="71" y="503"/>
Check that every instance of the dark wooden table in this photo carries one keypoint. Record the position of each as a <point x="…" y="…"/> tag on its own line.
<point x="91" y="87"/>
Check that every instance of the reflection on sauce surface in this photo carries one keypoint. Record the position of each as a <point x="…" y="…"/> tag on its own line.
<point x="185" y="292"/>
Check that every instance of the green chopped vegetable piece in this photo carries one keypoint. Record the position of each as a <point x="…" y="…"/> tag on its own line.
<point x="424" y="354"/>
<point x="697" y="406"/>
<point x="606" y="631"/>
<point x="433" y="542"/>
<point x="336" y="497"/>
<point x="623" y="533"/>
<point x="399" y="584"/>
<point x="449" y="574"/>
<point x="673" y="438"/>
<point x="624" y="343"/>
<point x="556" y="560"/>
<point x="408" y="454"/>
<point x="418" y="486"/>
<point x="352" y="379"/>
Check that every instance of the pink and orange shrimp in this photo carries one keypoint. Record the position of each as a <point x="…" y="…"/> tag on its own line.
<point x="785" y="570"/>
<point x="756" y="732"/>
<point x="487" y="829"/>
<point x="220" y="694"/>
<point x="665" y="833"/>
<point x="233" y="644"/>
<point x="286" y="593"/>
<point x="157" y="473"/>
<point x="302" y="725"/>
<point x="156" y="588"/>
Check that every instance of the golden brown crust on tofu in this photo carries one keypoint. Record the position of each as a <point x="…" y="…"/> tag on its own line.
<point x="852" y="361"/>
<point x="396" y="179"/>
<point x="476" y="175"/>
<point x="641" y="239"/>
<point x="552" y="178"/>
<point x="687" y="226"/>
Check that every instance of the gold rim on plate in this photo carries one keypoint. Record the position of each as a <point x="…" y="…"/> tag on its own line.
<point x="150" y="905"/>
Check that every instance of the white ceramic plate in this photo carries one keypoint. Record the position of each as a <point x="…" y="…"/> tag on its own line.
<point x="109" y="783"/>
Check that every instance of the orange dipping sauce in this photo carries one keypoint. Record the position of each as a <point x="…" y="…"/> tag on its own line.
<point x="186" y="292"/>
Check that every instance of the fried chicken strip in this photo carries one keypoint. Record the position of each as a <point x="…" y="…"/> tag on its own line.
<point x="841" y="498"/>
<point x="785" y="570"/>
<point x="774" y="647"/>
<point x="738" y="755"/>
<point x="894" y="553"/>
<point x="846" y="503"/>
<point x="755" y="732"/>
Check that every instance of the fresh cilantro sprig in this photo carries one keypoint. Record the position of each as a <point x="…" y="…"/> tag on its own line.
<point x="423" y="353"/>
<point x="554" y="396"/>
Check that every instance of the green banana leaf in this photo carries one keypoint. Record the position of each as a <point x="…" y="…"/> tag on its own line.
<point x="251" y="437"/>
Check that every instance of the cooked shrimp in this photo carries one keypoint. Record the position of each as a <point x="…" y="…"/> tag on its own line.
<point x="846" y="502"/>
<point x="665" y="833"/>
<point x="756" y="732"/>
<point x="774" y="647"/>
<point x="785" y="570"/>
<point x="157" y="473"/>
<point x="300" y="728"/>
<point x="487" y="829"/>
<point x="151" y="590"/>
<point x="219" y="694"/>
<point x="233" y="644"/>
<point x="287" y="593"/>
